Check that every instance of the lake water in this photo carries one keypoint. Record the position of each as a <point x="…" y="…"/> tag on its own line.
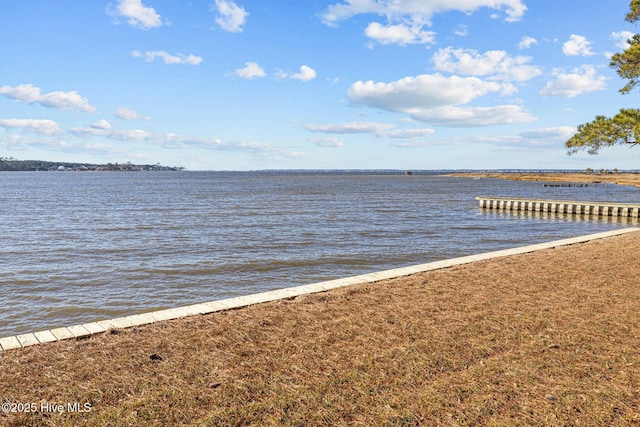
<point x="80" y="247"/>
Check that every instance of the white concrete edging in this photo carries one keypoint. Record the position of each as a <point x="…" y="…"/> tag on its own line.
<point x="87" y="329"/>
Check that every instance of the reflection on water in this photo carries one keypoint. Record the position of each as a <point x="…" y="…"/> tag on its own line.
<point x="559" y="217"/>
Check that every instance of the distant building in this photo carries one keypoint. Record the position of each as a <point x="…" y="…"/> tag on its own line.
<point x="61" y="168"/>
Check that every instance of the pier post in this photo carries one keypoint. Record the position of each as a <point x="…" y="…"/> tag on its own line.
<point x="561" y="207"/>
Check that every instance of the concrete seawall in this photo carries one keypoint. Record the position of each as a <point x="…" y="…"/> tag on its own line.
<point x="87" y="329"/>
<point x="595" y="209"/>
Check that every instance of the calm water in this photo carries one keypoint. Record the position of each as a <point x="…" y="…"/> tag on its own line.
<point x="79" y="247"/>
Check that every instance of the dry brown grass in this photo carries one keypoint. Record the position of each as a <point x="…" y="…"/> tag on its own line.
<point x="631" y="179"/>
<point x="546" y="338"/>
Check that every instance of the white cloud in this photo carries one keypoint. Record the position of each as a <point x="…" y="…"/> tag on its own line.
<point x="30" y="94"/>
<point x="496" y="63"/>
<point x="175" y="141"/>
<point x="381" y="130"/>
<point x="21" y="142"/>
<point x="268" y="151"/>
<point x="621" y="38"/>
<point x="41" y="126"/>
<point x="399" y="34"/>
<point x="127" y="114"/>
<point x="456" y="116"/>
<point x="351" y="127"/>
<point x="330" y="141"/>
<point x="253" y="70"/>
<point x="544" y="138"/>
<point x="408" y="133"/>
<point x="413" y="144"/>
<point x="522" y="143"/>
<point x="417" y="11"/>
<point x="421" y="92"/>
<point x="435" y="99"/>
<point x="581" y="80"/>
<point x="306" y="73"/>
<point x="112" y="149"/>
<point x="121" y="135"/>
<point x="577" y="46"/>
<point x="138" y="15"/>
<point x="406" y="18"/>
<point x="166" y="140"/>
<point x="101" y="124"/>
<point x="230" y="17"/>
<point x="179" y="58"/>
<point x="560" y="133"/>
<point x="250" y="71"/>
<point x="527" y="42"/>
<point x="461" y="30"/>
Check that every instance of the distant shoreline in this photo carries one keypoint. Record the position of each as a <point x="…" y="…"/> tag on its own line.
<point x="632" y="179"/>
<point x="14" y="165"/>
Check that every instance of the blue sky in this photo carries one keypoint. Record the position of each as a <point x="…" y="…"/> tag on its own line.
<point x="342" y="84"/>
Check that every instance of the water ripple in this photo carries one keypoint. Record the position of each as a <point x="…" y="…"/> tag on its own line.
<point x="80" y="247"/>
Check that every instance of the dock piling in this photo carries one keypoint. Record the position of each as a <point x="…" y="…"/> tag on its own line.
<point x="589" y="209"/>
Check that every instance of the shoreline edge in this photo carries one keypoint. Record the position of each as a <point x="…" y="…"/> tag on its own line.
<point x="92" y="328"/>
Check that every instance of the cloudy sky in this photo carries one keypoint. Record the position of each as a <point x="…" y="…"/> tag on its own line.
<point x="357" y="84"/>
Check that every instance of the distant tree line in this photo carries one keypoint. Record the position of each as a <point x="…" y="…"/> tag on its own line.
<point x="590" y="171"/>
<point x="12" y="164"/>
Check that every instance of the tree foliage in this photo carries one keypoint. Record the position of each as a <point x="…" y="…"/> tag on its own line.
<point x="624" y="127"/>
<point x="627" y="64"/>
<point x="634" y="12"/>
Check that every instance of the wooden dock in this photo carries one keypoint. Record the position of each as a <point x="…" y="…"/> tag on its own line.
<point x="595" y="209"/>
